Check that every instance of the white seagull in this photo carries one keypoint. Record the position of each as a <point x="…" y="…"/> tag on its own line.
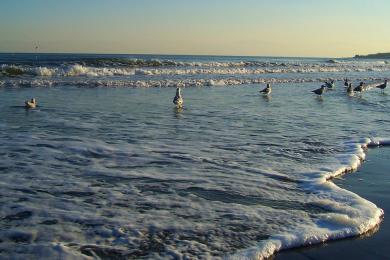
<point x="178" y="100"/>
<point x="383" y="86"/>
<point x="359" y="88"/>
<point x="330" y="84"/>
<point x="320" y="90"/>
<point x="30" y="104"/>
<point x="346" y="83"/>
<point x="350" y="89"/>
<point x="267" y="90"/>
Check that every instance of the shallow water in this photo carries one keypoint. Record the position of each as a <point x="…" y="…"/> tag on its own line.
<point x="371" y="181"/>
<point x="119" y="172"/>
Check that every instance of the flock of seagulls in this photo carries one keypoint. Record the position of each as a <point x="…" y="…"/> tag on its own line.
<point x="178" y="99"/>
<point x="360" y="88"/>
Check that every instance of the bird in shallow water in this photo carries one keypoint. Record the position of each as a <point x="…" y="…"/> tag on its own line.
<point x="30" y="104"/>
<point x="350" y="89"/>
<point x="178" y="100"/>
<point x="346" y="83"/>
<point x="359" y="88"/>
<point x="383" y="86"/>
<point x="320" y="90"/>
<point x="330" y="84"/>
<point x="267" y="90"/>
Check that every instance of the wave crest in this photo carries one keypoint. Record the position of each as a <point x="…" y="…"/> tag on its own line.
<point x="80" y="70"/>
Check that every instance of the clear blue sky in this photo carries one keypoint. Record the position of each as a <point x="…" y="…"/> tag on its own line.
<point x="245" y="27"/>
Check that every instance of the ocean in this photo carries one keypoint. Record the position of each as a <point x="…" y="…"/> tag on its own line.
<point x="107" y="167"/>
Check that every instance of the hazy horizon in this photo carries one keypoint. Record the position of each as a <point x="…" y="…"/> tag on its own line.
<point x="166" y="54"/>
<point x="301" y="28"/>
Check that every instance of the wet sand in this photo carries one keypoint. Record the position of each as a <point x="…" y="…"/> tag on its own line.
<point x="371" y="181"/>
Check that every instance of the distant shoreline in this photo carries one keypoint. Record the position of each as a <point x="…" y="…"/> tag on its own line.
<point x="374" y="56"/>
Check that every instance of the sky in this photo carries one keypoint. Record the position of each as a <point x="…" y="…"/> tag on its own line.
<point x="304" y="28"/>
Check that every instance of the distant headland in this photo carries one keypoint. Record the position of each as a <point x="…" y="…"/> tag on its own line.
<point x="374" y="56"/>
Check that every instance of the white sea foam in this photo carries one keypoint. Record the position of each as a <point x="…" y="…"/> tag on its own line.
<point x="127" y="179"/>
<point x="350" y="214"/>
<point x="163" y="83"/>
<point x="239" y="68"/>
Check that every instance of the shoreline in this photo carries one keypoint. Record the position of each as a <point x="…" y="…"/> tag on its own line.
<point x="344" y="161"/>
<point x="371" y="182"/>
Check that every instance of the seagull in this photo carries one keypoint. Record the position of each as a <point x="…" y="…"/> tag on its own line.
<point x="330" y="84"/>
<point x="320" y="90"/>
<point x="359" y="88"/>
<point x="346" y="83"/>
<point x="267" y="90"/>
<point x="30" y="104"/>
<point x="383" y="86"/>
<point x="349" y="89"/>
<point x="178" y="100"/>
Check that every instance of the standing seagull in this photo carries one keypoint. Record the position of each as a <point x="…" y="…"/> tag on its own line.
<point x="349" y="89"/>
<point x="383" y="86"/>
<point x="30" y="104"/>
<point x="178" y="100"/>
<point x="267" y="90"/>
<point x="346" y="82"/>
<point x="320" y="90"/>
<point x="330" y="84"/>
<point x="359" y="88"/>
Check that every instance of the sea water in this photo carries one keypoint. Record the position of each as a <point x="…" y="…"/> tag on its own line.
<point x="106" y="167"/>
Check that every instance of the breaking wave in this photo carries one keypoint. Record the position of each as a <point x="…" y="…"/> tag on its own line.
<point x="238" y="69"/>
<point x="176" y="71"/>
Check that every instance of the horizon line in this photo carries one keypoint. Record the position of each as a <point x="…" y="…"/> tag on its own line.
<point x="170" y="54"/>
